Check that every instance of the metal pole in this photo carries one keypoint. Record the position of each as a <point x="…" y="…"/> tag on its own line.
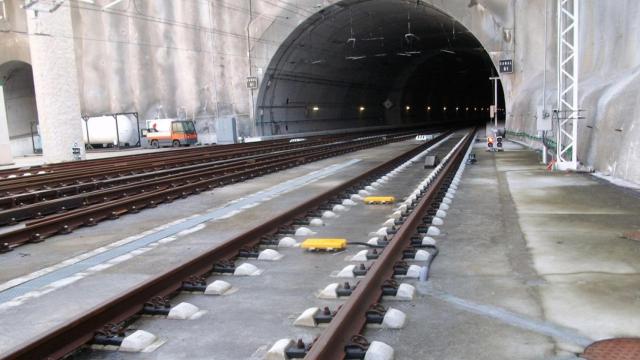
<point x="576" y="74"/>
<point x="544" y="80"/>
<point x="138" y="126"/>
<point x="495" y="102"/>
<point x="117" y="132"/>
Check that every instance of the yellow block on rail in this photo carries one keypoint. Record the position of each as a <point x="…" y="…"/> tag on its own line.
<point x="324" y="244"/>
<point x="379" y="200"/>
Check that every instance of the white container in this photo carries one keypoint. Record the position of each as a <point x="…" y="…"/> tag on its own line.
<point x="102" y="130"/>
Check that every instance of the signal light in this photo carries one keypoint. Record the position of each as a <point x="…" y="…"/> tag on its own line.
<point x="490" y="142"/>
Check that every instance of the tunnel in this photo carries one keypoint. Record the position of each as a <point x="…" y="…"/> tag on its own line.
<point x="376" y="63"/>
<point x="16" y="83"/>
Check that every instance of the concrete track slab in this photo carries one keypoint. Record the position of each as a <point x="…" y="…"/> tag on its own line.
<point x="69" y="296"/>
<point x="244" y="324"/>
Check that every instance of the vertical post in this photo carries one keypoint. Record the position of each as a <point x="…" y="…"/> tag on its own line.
<point x="135" y="114"/>
<point x="495" y="102"/>
<point x="115" y="117"/>
<point x="55" y="80"/>
<point x="568" y="82"/>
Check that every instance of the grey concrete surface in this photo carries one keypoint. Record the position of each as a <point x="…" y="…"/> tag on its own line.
<point x="69" y="295"/>
<point x="521" y="241"/>
<point x="245" y="324"/>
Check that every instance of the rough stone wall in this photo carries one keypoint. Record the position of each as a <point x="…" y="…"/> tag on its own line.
<point x="164" y="58"/>
<point x="190" y="58"/>
<point x="609" y="81"/>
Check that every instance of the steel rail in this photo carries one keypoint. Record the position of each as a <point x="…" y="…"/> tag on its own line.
<point x="37" y="231"/>
<point x="41" y="203"/>
<point x="64" y="339"/>
<point x="48" y="169"/>
<point x="88" y="175"/>
<point x="351" y="319"/>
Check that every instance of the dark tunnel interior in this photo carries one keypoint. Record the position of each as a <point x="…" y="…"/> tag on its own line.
<point x="366" y="63"/>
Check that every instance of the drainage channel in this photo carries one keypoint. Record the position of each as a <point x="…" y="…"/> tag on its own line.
<point x="150" y="297"/>
<point x="263" y="308"/>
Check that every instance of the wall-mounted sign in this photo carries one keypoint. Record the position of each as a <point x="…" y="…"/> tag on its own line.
<point x="506" y="66"/>
<point x="252" y="82"/>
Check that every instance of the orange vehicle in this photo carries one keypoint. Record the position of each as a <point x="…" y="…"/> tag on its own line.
<point x="170" y="132"/>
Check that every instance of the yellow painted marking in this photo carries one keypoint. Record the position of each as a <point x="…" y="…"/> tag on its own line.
<point x="379" y="200"/>
<point x="324" y="244"/>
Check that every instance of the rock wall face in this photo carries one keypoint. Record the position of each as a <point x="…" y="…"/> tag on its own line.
<point x="609" y="136"/>
<point x="191" y="58"/>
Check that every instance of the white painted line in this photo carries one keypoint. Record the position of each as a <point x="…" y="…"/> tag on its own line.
<point x="508" y="317"/>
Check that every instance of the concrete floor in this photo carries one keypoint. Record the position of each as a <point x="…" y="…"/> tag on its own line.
<point x="531" y="266"/>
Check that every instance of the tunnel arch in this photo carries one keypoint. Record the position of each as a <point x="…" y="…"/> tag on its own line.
<point x="16" y="78"/>
<point x="319" y="80"/>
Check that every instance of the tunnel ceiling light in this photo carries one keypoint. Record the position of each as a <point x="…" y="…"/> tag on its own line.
<point x="467" y="109"/>
<point x="408" y="108"/>
<point x="361" y="108"/>
<point x="315" y="108"/>
<point x="111" y="4"/>
<point x="428" y="108"/>
<point x="355" y="57"/>
<point x="457" y="108"/>
<point x="448" y="51"/>
<point x="444" y="108"/>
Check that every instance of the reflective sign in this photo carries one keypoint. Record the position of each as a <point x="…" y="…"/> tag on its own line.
<point x="506" y="66"/>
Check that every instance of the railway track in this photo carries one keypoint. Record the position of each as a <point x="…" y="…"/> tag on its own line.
<point x="192" y="275"/>
<point x="60" y="210"/>
<point x="344" y="336"/>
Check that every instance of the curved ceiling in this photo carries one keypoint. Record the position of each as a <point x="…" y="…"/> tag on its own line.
<point x="374" y="62"/>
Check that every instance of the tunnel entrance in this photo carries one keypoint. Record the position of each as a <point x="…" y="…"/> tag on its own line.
<point x="368" y="63"/>
<point x="16" y="80"/>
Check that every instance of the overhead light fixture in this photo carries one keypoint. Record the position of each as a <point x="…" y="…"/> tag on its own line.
<point x="111" y="4"/>
<point x="457" y="108"/>
<point x="428" y="108"/>
<point x="408" y="108"/>
<point x="356" y="57"/>
<point x="315" y="108"/>
<point x="448" y="51"/>
<point x="362" y="108"/>
<point x="444" y="108"/>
